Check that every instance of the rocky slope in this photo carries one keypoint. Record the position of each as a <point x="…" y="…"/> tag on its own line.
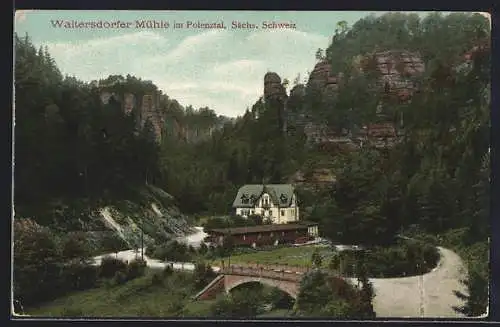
<point x="155" y="214"/>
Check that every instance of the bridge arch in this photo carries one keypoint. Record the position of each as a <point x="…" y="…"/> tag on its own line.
<point x="291" y="288"/>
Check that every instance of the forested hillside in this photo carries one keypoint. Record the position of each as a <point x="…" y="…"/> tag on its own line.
<point x="434" y="181"/>
<point x="74" y="151"/>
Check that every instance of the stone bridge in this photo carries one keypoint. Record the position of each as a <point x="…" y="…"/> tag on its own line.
<point x="287" y="280"/>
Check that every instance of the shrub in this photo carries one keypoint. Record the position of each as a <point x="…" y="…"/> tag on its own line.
<point x="78" y="276"/>
<point x="120" y="278"/>
<point x="203" y="274"/>
<point x="203" y="249"/>
<point x="172" y="251"/>
<point x="157" y="279"/>
<point x="150" y="251"/>
<point x="75" y="247"/>
<point x="167" y="271"/>
<point x="37" y="263"/>
<point x="279" y="299"/>
<point x="136" y="268"/>
<point x="340" y="288"/>
<point x="110" y="266"/>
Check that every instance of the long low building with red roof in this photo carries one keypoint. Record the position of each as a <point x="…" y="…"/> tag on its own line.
<point x="260" y="235"/>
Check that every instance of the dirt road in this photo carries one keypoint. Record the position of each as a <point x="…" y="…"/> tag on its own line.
<point x="430" y="295"/>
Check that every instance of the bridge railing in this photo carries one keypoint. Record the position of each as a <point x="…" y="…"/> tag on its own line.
<point x="261" y="272"/>
<point x="275" y="267"/>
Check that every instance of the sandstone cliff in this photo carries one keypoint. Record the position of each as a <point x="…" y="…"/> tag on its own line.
<point x="397" y="68"/>
<point x="323" y="78"/>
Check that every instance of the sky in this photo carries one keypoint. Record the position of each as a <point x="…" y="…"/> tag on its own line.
<point x="219" y="68"/>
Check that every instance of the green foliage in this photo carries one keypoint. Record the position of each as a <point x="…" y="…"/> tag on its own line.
<point x="171" y="251"/>
<point x="72" y="312"/>
<point x="76" y="247"/>
<point x="138" y="296"/>
<point x="203" y="274"/>
<point x="120" y="278"/>
<point x="79" y="276"/>
<point x="157" y="279"/>
<point x="37" y="263"/>
<point x="135" y="269"/>
<point x="242" y="303"/>
<point x="436" y="178"/>
<point x="312" y="291"/>
<point x="407" y="259"/>
<point x="279" y="299"/>
<point x="110" y="266"/>
<point x="167" y="271"/>
<point x="316" y="258"/>
<point x="339" y="298"/>
<point x="231" y="221"/>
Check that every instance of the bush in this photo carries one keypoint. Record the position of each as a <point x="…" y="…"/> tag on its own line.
<point x="279" y="299"/>
<point x="157" y="279"/>
<point x="110" y="266"/>
<point x="167" y="271"/>
<point x="202" y="274"/>
<point x="338" y="298"/>
<point x="75" y="247"/>
<point x="37" y="263"/>
<point x="172" y="251"/>
<point x="406" y="259"/>
<point x="120" y="278"/>
<point x="78" y="276"/>
<point x="150" y="251"/>
<point x="136" y="268"/>
<point x="203" y="249"/>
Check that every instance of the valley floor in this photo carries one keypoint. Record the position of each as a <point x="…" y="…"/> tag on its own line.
<point x="430" y="295"/>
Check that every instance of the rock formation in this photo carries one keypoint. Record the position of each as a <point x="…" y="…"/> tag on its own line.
<point x="275" y="97"/>
<point x="150" y="111"/>
<point x="273" y="88"/>
<point x="397" y="68"/>
<point x="323" y="78"/>
<point x="129" y="103"/>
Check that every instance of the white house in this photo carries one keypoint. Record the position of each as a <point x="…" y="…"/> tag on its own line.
<point x="274" y="202"/>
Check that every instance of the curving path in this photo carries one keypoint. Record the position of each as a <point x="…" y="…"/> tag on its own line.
<point x="430" y="295"/>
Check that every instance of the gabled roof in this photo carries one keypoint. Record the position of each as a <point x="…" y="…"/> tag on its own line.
<point x="280" y="194"/>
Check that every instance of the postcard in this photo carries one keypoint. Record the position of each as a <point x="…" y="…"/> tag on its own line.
<point x="252" y="165"/>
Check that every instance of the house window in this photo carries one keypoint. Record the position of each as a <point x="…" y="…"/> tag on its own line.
<point x="282" y="233"/>
<point x="251" y="212"/>
<point x="259" y="236"/>
<point x="282" y="213"/>
<point x="244" y="199"/>
<point x="272" y="234"/>
<point x="244" y="237"/>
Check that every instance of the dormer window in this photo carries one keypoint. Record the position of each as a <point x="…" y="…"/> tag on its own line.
<point x="283" y="199"/>
<point x="252" y="198"/>
<point x="244" y="199"/>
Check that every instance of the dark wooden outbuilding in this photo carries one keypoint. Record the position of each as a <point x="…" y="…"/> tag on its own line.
<point x="265" y="234"/>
